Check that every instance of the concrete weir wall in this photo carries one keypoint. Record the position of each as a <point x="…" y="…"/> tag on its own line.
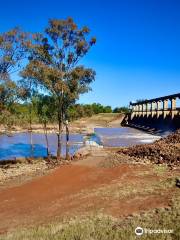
<point x="155" y="114"/>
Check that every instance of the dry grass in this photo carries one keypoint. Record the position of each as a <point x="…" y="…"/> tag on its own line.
<point x="99" y="119"/>
<point x="118" y="190"/>
<point x="101" y="227"/>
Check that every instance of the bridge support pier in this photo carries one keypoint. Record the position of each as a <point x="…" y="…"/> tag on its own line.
<point x="148" y="112"/>
<point x="173" y="107"/>
<point x="165" y="108"/>
<point x="158" y="108"/>
<point x="153" y="112"/>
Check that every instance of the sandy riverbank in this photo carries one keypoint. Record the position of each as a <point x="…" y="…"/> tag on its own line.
<point x="83" y="125"/>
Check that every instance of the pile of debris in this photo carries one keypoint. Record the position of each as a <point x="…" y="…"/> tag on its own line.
<point x="172" y="138"/>
<point x="165" y="150"/>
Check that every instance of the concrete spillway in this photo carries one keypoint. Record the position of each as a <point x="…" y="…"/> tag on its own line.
<point x="155" y="114"/>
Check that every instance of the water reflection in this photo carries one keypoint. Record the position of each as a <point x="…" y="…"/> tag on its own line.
<point x="18" y="145"/>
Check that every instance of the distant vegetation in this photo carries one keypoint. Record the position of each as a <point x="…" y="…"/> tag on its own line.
<point x="121" y="110"/>
<point x="42" y="112"/>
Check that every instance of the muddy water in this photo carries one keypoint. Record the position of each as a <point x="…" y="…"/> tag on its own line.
<point x="115" y="137"/>
<point x="18" y="145"/>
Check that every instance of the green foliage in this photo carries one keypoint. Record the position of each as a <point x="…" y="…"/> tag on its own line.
<point x="98" y="108"/>
<point x="7" y="94"/>
<point x="54" y="58"/>
<point x="12" y="51"/>
<point x="18" y="115"/>
<point x="13" y="46"/>
<point x="44" y="110"/>
<point x="121" y="110"/>
<point x="87" y="110"/>
<point x="44" y="107"/>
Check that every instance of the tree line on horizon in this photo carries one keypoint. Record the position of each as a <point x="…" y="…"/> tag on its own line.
<point x="43" y="110"/>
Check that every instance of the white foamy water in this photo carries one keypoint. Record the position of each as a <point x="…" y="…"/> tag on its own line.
<point x="116" y="137"/>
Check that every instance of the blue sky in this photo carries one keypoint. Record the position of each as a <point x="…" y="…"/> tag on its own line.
<point x="137" y="54"/>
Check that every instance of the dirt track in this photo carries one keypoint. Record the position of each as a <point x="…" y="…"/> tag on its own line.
<point x="67" y="191"/>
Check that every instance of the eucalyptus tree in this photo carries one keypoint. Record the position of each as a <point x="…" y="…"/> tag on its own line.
<point x="13" y="46"/>
<point x="54" y="65"/>
<point x="7" y="94"/>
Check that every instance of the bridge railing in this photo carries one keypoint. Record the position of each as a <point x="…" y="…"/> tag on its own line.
<point x="156" y="107"/>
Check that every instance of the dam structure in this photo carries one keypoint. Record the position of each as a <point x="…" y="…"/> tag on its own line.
<point x="157" y="114"/>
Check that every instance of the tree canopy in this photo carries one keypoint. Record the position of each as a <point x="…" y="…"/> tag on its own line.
<point x="13" y="46"/>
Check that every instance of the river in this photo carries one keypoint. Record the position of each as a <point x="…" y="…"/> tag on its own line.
<point x="18" y="145"/>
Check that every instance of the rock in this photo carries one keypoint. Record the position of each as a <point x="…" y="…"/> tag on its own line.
<point x="76" y="156"/>
<point x="178" y="182"/>
<point x="160" y="160"/>
<point x="82" y="152"/>
<point x="165" y="150"/>
<point x="172" y="138"/>
<point x="87" y="149"/>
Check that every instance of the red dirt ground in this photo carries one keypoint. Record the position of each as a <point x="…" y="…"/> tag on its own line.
<point x="61" y="194"/>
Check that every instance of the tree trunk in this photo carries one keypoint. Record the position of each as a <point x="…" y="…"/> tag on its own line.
<point x="67" y="142"/>
<point x="60" y="124"/>
<point x="59" y="136"/>
<point x="31" y="143"/>
<point x="30" y="125"/>
<point x="59" y="146"/>
<point x="46" y="137"/>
